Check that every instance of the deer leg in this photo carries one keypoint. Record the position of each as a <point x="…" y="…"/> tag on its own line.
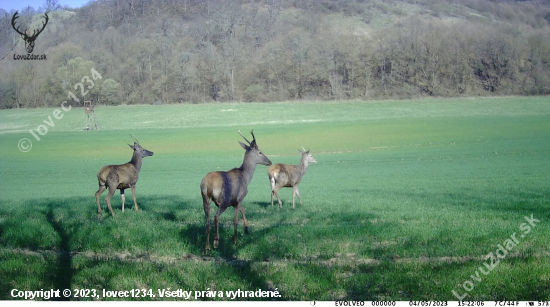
<point x="221" y="209"/>
<point x="235" y="223"/>
<point x="294" y="189"/>
<point x="206" y="205"/>
<point x="272" y="183"/>
<point x="276" y="192"/>
<point x="108" y="199"/>
<point x="245" y="222"/>
<point x="134" y="196"/>
<point x="123" y="198"/>
<point x="298" y="194"/>
<point x="97" y="194"/>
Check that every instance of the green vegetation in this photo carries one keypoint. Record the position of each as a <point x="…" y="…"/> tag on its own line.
<point x="152" y="52"/>
<point x="406" y="201"/>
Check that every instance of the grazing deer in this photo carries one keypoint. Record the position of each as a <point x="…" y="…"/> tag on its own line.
<point x="285" y="175"/>
<point x="121" y="177"/>
<point x="229" y="189"/>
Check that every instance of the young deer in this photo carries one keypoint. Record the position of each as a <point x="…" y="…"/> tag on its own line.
<point x="285" y="175"/>
<point x="229" y="189"/>
<point x="121" y="177"/>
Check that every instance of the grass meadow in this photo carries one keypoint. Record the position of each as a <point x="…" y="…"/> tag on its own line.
<point x="408" y="201"/>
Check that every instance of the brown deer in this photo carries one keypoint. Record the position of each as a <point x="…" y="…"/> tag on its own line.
<point x="121" y="177"/>
<point x="285" y="175"/>
<point x="229" y="189"/>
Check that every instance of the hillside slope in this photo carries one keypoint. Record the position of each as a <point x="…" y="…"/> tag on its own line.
<point x="151" y="52"/>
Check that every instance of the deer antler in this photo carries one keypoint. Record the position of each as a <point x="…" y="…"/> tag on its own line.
<point x="134" y="138"/>
<point x="244" y="137"/>
<point x="253" y="144"/>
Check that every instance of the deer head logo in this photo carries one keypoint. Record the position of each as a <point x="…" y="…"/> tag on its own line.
<point x="29" y="40"/>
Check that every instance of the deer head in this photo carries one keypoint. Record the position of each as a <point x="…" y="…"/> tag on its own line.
<point x="255" y="152"/>
<point x="29" y="40"/>
<point x="140" y="151"/>
<point x="306" y="156"/>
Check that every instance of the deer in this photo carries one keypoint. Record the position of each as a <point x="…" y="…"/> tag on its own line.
<point x="121" y="177"/>
<point x="285" y="175"/>
<point x="29" y="40"/>
<point x="229" y="188"/>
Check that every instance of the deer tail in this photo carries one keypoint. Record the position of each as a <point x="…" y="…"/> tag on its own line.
<point x="272" y="177"/>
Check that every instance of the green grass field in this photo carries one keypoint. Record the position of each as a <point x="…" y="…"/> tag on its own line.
<point x="406" y="202"/>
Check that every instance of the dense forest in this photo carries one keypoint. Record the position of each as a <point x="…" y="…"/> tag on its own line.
<point x="194" y="51"/>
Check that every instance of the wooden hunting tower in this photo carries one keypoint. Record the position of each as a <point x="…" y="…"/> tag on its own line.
<point x="91" y="121"/>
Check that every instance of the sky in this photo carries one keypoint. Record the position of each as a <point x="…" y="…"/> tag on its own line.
<point x="18" y="5"/>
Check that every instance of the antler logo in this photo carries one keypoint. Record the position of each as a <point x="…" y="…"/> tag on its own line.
<point x="29" y="40"/>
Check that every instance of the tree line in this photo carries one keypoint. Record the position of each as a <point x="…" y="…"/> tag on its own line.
<point x="194" y="51"/>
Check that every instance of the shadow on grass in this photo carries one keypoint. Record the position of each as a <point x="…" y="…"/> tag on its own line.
<point x="226" y="255"/>
<point x="263" y="204"/>
<point x="55" y="230"/>
<point x="64" y="266"/>
<point x="149" y="203"/>
<point x="64" y="219"/>
<point x="523" y="202"/>
<point x="26" y="234"/>
<point x="268" y="248"/>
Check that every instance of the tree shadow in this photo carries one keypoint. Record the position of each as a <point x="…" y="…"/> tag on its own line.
<point x="64" y="264"/>
<point x="264" y="252"/>
<point x="65" y="218"/>
<point x="195" y="236"/>
<point x="61" y="214"/>
<point x="57" y="254"/>
<point x="516" y="202"/>
<point x="227" y="253"/>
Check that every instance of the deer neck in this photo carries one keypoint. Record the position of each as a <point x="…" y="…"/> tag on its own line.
<point x="303" y="165"/>
<point x="247" y="168"/>
<point x="136" y="161"/>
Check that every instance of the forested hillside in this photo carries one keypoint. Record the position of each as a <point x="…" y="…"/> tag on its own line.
<point x="194" y="51"/>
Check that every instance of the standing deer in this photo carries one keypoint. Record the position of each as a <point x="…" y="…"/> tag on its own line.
<point x="121" y="177"/>
<point x="229" y="189"/>
<point x="285" y="175"/>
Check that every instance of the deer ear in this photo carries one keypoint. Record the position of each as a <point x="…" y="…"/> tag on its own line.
<point x="131" y="146"/>
<point x="246" y="147"/>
